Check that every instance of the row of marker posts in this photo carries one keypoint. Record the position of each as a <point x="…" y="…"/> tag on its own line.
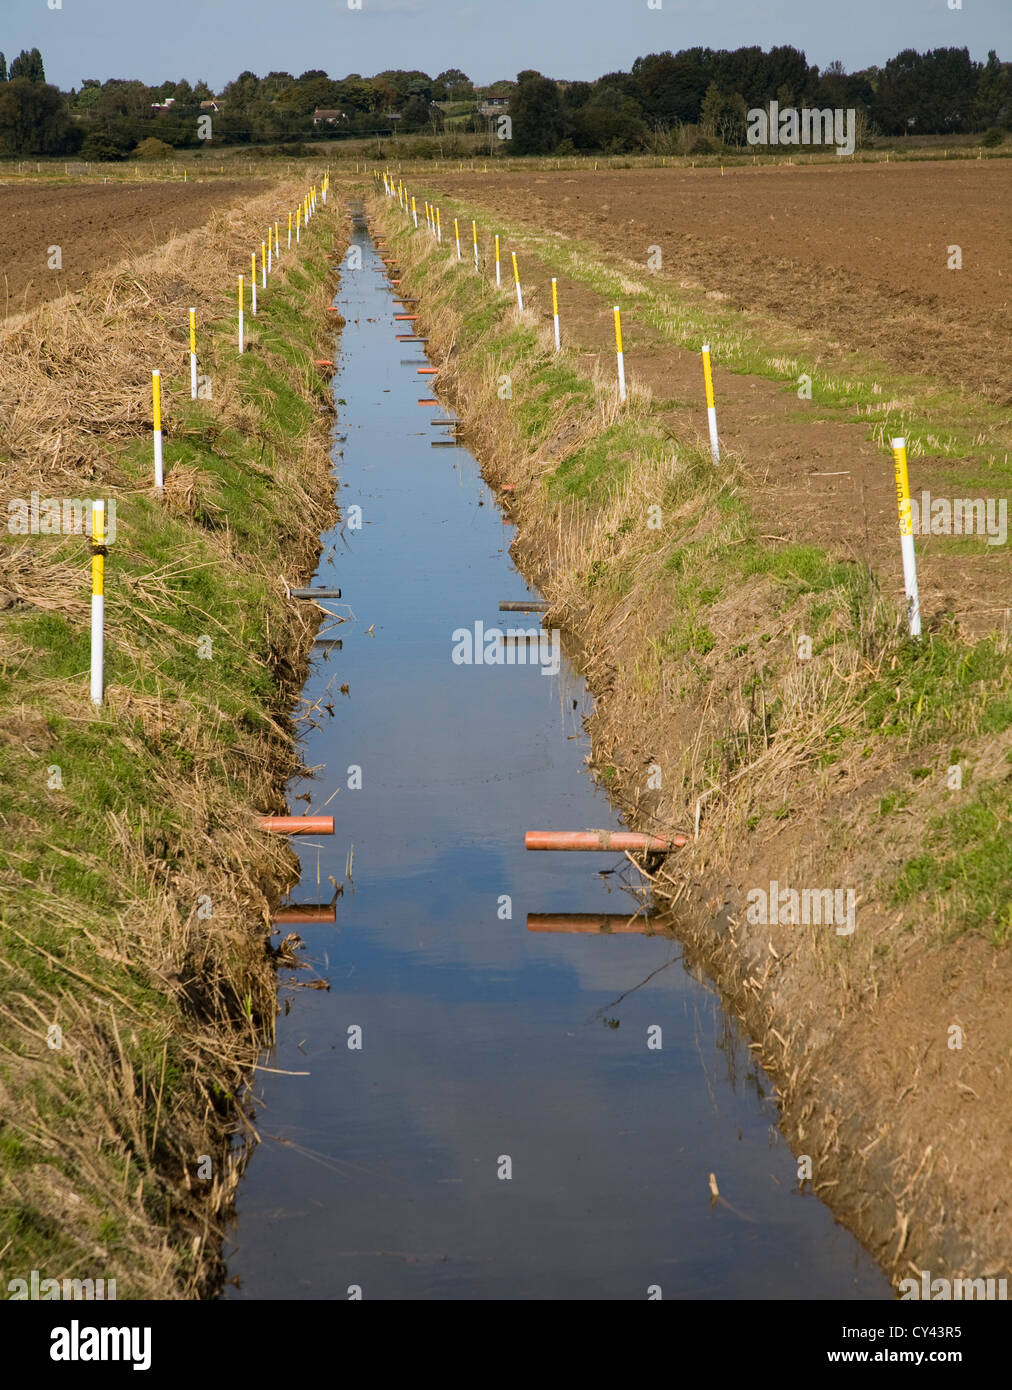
<point x="270" y="254"/>
<point x="898" y="445"/>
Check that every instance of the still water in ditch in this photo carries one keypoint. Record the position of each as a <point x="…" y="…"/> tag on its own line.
<point x="486" y="1048"/>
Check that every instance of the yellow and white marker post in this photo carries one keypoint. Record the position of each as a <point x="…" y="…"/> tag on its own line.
<point x="555" y="312"/>
<point x="439" y="227"/>
<point x="270" y="253"/>
<point x="156" y="411"/>
<point x="414" y="211"/>
<point x="289" y="231"/>
<point x="277" y="244"/>
<point x="498" y="268"/>
<point x="298" y="225"/>
<point x="97" y="602"/>
<point x="711" y="409"/>
<point x="619" y="354"/>
<point x="242" y="304"/>
<point x="907" y="536"/>
<point x="474" y="238"/>
<point x="516" y="282"/>
<point x="456" y="234"/>
<point x="193" y="354"/>
<point x="263" y="262"/>
<point x="253" y="281"/>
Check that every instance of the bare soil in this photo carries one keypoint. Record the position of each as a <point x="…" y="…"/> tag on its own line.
<point x="94" y="225"/>
<point x="859" y="253"/>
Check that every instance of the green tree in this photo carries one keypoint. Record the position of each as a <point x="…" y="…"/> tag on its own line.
<point x="453" y="85"/>
<point x="33" y="118"/>
<point x="28" y="64"/>
<point x="3" y="68"/>
<point x="994" y="93"/>
<point x="539" y="122"/>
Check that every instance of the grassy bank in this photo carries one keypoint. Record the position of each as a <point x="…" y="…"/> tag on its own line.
<point x="767" y="699"/>
<point x="136" y="979"/>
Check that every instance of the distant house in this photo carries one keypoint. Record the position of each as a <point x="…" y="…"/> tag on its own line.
<point x="321" y="117"/>
<point x="211" y="105"/>
<point x="493" y="106"/>
<point x="165" y="105"/>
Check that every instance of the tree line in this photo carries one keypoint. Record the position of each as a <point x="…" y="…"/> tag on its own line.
<point x="707" y="92"/>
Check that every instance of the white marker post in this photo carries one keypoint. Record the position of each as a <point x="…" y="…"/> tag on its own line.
<point x="516" y="281"/>
<point x="456" y="233"/>
<point x="97" y="602"/>
<point x="620" y="355"/>
<point x="907" y="536"/>
<point x="263" y="262"/>
<point x="156" y="405"/>
<point x="414" y="211"/>
<point x="270" y="254"/>
<point x="498" y="270"/>
<point x="711" y="409"/>
<point x="474" y="238"/>
<point x="555" y="312"/>
<point x="242" y="301"/>
<point x="193" y="354"/>
<point x="253" y="281"/>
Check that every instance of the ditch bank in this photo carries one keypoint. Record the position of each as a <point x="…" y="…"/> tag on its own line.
<point x="873" y="768"/>
<point x="137" y="985"/>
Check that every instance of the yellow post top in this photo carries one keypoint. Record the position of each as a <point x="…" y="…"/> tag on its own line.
<point x="241" y="295"/>
<point x="474" y="233"/>
<point x="253" y="263"/>
<point x="439" y="218"/>
<point x="413" y="202"/>
<point x="707" y="376"/>
<point x="516" y="273"/>
<point x="156" y="399"/>
<point x="497" y="245"/>
<point x="902" y="487"/>
<point x="193" y="330"/>
<point x="289" y="221"/>
<point x="98" y="523"/>
<point x="555" y="296"/>
<point x="456" y="229"/>
<point x="618" y="329"/>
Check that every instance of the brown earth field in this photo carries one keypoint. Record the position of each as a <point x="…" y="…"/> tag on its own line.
<point x="858" y="253"/>
<point x="94" y="226"/>
<point x="817" y="480"/>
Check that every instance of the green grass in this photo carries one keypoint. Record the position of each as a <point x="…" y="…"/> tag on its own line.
<point x="968" y="870"/>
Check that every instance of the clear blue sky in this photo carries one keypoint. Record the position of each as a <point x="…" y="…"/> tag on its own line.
<point x="155" y="40"/>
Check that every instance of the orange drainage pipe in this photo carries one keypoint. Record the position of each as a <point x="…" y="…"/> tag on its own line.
<point x="395" y="282"/>
<point x="603" y="923"/>
<point x="323" y="362"/>
<point x="286" y="915"/>
<point x="333" y="309"/>
<point x="297" y="825"/>
<point x="405" y="318"/>
<point x="427" y="371"/>
<point x="600" y="840"/>
<point x="433" y="401"/>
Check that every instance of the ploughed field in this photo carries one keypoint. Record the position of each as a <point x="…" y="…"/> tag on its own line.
<point x="94" y="225"/>
<point x="857" y="252"/>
